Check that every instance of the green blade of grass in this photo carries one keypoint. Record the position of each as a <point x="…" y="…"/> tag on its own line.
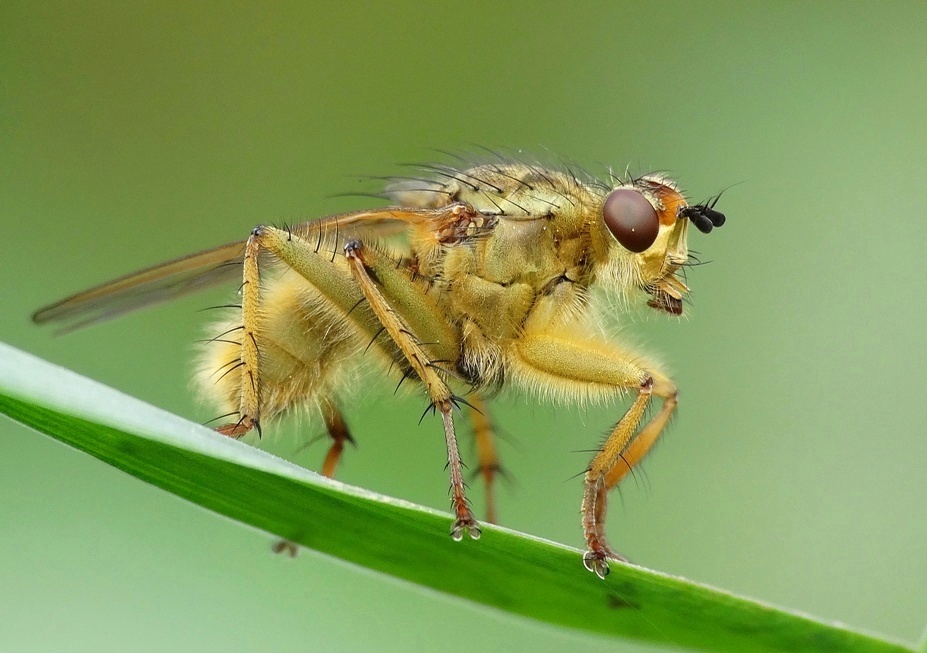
<point x="510" y="571"/>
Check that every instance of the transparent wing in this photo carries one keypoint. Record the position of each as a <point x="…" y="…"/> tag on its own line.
<point x="204" y="269"/>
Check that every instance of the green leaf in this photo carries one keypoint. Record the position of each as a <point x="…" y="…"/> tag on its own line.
<point x="512" y="572"/>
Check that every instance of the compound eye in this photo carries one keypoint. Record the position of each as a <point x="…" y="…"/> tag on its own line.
<point x="631" y="219"/>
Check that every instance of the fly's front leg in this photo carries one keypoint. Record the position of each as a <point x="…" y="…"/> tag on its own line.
<point x="635" y="452"/>
<point x="399" y="308"/>
<point x="595" y="489"/>
<point x="649" y="434"/>
<point x="584" y="367"/>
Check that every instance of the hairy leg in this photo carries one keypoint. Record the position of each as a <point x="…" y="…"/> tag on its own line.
<point x="583" y="366"/>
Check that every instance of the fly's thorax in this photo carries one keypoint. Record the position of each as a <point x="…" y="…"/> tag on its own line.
<point x="520" y="251"/>
<point x="507" y="190"/>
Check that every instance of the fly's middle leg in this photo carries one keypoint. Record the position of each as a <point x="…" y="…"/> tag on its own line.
<point x="411" y="322"/>
<point x="489" y="467"/>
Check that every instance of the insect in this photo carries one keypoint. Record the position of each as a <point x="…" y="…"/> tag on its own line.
<point x="479" y="277"/>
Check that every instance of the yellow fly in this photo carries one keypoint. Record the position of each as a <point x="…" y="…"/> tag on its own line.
<point x="479" y="278"/>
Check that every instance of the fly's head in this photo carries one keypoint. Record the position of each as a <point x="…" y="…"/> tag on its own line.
<point x="644" y="222"/>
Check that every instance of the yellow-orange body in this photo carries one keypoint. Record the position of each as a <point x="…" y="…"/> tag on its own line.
<point x="478" y="279"/>
<point x="526" y="264"/>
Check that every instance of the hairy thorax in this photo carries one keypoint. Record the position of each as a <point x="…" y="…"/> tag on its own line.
<point x="535" y="259"/>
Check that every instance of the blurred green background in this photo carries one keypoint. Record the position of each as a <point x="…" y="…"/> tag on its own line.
<point x="795" y="472"/>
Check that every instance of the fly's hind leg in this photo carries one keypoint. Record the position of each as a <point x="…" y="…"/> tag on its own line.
<point x="249" y="408"/>
<point x="335" y="285"/>
<point x="330" y="275"/>
<point x="327" y="274"/>
<point x="338" y="432"/>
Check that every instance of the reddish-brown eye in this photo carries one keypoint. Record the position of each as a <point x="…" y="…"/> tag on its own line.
<point x="631" y="219"/>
